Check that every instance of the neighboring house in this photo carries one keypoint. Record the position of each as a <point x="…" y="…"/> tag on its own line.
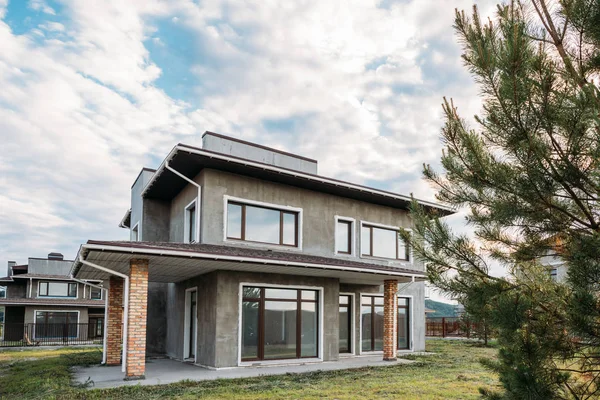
<point x="38" y="300"/>
<point x="242" y="255"/>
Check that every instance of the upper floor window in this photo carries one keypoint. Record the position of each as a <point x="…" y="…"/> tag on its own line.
<point x="553" y="274"/>
<point x="262" y="224"/>
<point x="95" y="293"/>
<point x="191" y="223"/>
<point x="344" y="235"/>
<point x="381" y="242"/>
<point x="2" y="292"/>
<point x="57" y="289"/>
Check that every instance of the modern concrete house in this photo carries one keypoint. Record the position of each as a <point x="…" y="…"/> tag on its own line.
<point x="242" y="255"/>
<point x="39" y="300"/>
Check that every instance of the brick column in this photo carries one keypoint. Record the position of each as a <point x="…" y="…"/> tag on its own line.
<point x="114" y="315"/>
<point x="390" y="311"/>
<point x="136" y="324"/>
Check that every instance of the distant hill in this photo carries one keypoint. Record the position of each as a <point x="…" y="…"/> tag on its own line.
<point x="441" y="309"/>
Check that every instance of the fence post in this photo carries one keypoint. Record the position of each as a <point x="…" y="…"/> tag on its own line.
<point x="443" y="327"/>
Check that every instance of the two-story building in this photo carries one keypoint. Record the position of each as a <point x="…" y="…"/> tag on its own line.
<point x="243" y="255"/>
<point x="39" y="299"/>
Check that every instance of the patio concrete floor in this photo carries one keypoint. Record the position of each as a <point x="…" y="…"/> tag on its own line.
<point x="163" y="371"/>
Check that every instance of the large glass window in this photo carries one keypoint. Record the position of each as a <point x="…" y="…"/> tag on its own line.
<point x="57" y="289"/>
<point x="95" y="293"/>
<point x="261" y="224"/>
<point x="2" y="292"/>
<point x="383" y="242"/>
<point x="343" y="237"/>
<point x="56" y="324"/>
<point x="372" y="323"/>
<point x="345" y="321"/>
<point x="279" y="323"/>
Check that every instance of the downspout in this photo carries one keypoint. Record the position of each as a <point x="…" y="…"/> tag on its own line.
<point x="125" y="311"/>
<point x="198" y="211"/>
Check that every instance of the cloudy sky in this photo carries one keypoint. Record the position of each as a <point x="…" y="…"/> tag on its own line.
<point x="91" y="91"/>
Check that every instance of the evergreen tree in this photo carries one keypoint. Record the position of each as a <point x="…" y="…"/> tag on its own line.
<point x="528" y="173"/>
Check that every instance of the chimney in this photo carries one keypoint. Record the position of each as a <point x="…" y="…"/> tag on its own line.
<point x="55" y="256"/>
<point x="10" y="265"/>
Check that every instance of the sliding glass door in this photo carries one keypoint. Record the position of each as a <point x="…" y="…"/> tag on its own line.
<point x="372" y="323"/>
<point x="345" y="323"/>
<point x="279" y="323"/>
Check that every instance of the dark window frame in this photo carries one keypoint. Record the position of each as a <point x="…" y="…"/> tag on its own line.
<point x="372" y="305"/>
<point x="47" y="284"/>
<point x="261" y="300"/>
<point x="350" y="310"/>
<point x="91" y="293"/>
<point x="398" y="238"/>
<point x="242" y="237"/>
<point x="349" y="224"/>
<point x="3" y="293"/>
<point x="190" y="221"/>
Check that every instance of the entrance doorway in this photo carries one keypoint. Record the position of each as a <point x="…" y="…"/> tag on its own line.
<point x="190" y="324"/>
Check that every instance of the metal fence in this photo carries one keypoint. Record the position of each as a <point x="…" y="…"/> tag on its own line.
<point x="448" y="327"/>
<point x="16" y="335"/>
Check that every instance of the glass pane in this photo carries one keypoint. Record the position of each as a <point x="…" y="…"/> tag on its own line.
<point x="280" y="329"/>
<point x="72" y="290"/>
<point x="403" y="328"/>
<point x="250" y="310"/>
<point x="192" y="224"/>
<point x="384" y="243"/>
<point x="289" y="229"/>
<point x="96" y="294"/>
<point x="345" y="336"/>
<point x="365" y="240"/>
<point x="379" y="300"/>
<point x="342" y="237"/>
<point x="365" y="320"/>
<point x="2" y="291"/>
<point x="403" y="253"/>
<point x="262" y="225"/>
<point x="309" y="295"/>
<point x="251" y="292"/>
<point x="272" y="293"/>
<point x="378" y="328"/>
<point x="309" y="340"/>
<point x="402" y="301"/>
<point x="344" y="299"/>
<point x="234" y="221"/>
<point x="58" y="289"/>
<point x="43" y="289"/>
<point x="2" y="315"/>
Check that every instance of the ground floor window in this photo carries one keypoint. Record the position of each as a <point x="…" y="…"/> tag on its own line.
<point x="2" y="311"/>
<point x="345" y="321"/>
<point x="372" y="323"/>
<point x="279" y="323"/>
<point x="50" y="324"/>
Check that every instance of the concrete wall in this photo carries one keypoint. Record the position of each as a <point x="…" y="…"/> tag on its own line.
<point x="16" y="289"/>
<point x="136" y="198"/>
<point x="253" y="152"/>
<point x="157" y="318"/>
<point x="155" y="220"/>
<point x="49" y="267"/>
<point x="319" y="211"/>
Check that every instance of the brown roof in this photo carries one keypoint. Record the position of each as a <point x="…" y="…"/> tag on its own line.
<point x="259" y="254"/>
<point x="53" y="302"/>
<point x="43" y="276"/>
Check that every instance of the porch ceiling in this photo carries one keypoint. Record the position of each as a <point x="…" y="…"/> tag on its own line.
<point x="178" y="267"/>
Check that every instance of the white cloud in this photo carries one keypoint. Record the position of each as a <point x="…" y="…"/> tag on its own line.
<point x="80" y="113"/>
<point x="41" y="5"/>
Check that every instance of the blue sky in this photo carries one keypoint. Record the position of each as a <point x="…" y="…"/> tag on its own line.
<point x="94" y="90"/>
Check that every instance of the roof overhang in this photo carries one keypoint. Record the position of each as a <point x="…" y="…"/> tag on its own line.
<point x="189" y="161"/>
<point x="167" y="266"/>
<point x="126" y="221"/>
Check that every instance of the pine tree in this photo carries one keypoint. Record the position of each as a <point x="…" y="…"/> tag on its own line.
<point x="527" y="171"/>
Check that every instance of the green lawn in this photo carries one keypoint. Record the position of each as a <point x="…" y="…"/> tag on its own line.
<point x="453" y="372"/>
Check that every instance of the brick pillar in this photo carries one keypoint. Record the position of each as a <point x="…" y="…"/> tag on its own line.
<point x="136" y="324"/>
<point x="390" y="311"/>
<point x="114" y="315"/>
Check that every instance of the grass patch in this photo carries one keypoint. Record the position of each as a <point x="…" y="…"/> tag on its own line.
<point x="453" y="372"/>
